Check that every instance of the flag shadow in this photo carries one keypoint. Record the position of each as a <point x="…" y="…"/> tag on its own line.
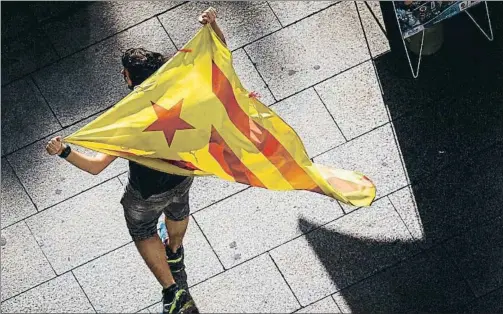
<point x="449" y="128"/>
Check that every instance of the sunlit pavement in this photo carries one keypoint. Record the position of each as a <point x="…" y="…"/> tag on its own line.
<point x="433" y="146"/>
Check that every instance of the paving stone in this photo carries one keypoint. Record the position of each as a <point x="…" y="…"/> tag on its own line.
<point x="289" y="12"/>
<point x="66" y="226"/>
<point x="208" y="190"/>
<point x="241" y="22"/>
<point x="406" y="206"/>
<point x="99" y="20"/>
<point x="25" y="114"/>
<point x="491" y="303"/>
<point x="16" y="205"/>
<point x="75" y="91"/>
<point x="25" y="53"/>
<point x="232" y="225"/>
<point x="23" y="263"/>
<point x="378" y="43"/>
<point x="15" y="19"/>
<point x="435" y="137"/>
<point x="200" y="260"/>
<point x="250" y="78"/>
<point x="8" y="146"/>
<point x="307" y="115"/>
<point x="51" y="9"/>
<point x="354" y="99"/>
<point x="123" y="178"/>
<point x="426" y="283"/>
<point x="450" y="202"/>
<point x="49" y="179"/>
<point x="376" y="155"/>
<point x="156" y="308"/>
<point x="326" y="305"/>
<point x="254" y="287"/>
<point x="479" y="256"/>
<point x="115" y="275"/>
<point x="296" y="57"/>
<point x="344" y="251"/>
<point x="59" y="295"/>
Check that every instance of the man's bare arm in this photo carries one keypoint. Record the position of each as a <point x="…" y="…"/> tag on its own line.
<point x="210" y="16"/>
<point x="91" y="164"/>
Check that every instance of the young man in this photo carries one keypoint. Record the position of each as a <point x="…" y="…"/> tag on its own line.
<point x="149" y="193"/>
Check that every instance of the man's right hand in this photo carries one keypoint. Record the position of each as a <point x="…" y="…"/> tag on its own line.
<point x="55" y="146"/>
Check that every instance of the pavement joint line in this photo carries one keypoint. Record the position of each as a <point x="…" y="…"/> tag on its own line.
<point x="401" y="218"/>
<point x="228" y="269"/>
<point x="64" y="273"/>
<point x="45" y="99"/>
<point x="52" y="134"/>
<point x="156" y="15"/>
<point x="261" y="77"/>
<point x="208" y="241"/>
<point x="472" y="302"/>
<point x="166" y="31"/>
<point x="275" y="15"/>
<point x="53" y="46"/>
<point x="94" y="43"/>
<point x="376" y="19"/>
<point x="220" y="200"/>
<point x="24" y="188"/>
<point x="352" y="139"/>
<point x="371" y="55"/>
<point x="397" y="144"/>
<point x="303" y="234"/>
<point x="336" y="304"/>
<point x="331" y="115"/>
<point x="281" y="28"/>
<point x="60" y="202"/>
<point x="34" y="287"/>
<point x="455" y="266"/>
<point x="286" y="281"/>
<point x="399" y="261"/>
<point x="321" y="81"/>
<point x="83" y="291"/>
<point x="40" y="247"/>
<point x="153" y="16"/>
<point x="380" y="85"/>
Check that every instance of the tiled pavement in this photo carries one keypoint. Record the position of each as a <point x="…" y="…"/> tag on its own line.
<point x="432" y="241"/>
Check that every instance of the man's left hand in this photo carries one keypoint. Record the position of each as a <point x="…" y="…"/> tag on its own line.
<point x="208" y="16"/>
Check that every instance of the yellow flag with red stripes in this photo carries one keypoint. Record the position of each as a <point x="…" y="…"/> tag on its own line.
<point x="194" y="118"/>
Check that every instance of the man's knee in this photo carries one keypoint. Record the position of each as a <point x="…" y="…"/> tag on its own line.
<point x="141" y="222"/>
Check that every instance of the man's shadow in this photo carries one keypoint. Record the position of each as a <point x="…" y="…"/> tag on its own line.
<point x="449" y="126"/>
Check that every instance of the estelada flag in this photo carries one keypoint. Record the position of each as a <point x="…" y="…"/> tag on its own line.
<point x="194" y="118"/>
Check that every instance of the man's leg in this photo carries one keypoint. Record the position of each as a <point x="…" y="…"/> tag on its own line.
<point x="176" y="232"/>
<point x="153" y="252"/>
<point x="141" y="218"/>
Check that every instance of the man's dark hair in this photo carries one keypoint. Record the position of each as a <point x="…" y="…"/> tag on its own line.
<point x="141" y="63"/>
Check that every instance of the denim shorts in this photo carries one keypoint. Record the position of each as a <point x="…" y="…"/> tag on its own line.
<point x="142" y="214"/>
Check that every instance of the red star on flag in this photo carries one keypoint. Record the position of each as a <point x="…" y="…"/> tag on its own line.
<point x="168" y="121"/>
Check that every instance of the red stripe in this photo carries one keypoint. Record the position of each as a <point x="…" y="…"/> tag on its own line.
<point x="268" y="145"/>
<point x="229" y="162"/>
<point x="186" y="165"/>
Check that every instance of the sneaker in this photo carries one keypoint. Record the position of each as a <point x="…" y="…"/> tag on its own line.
<point x="175" y="260"/>
<point x="177" y="301"/>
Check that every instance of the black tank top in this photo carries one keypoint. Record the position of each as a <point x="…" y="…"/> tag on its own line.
<point x="149" y="181"/>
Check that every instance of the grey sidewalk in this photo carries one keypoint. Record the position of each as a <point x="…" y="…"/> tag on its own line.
<point x="433" y="146"/>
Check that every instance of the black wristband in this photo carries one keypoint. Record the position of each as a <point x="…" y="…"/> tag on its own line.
<point x="65" y="152"/>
